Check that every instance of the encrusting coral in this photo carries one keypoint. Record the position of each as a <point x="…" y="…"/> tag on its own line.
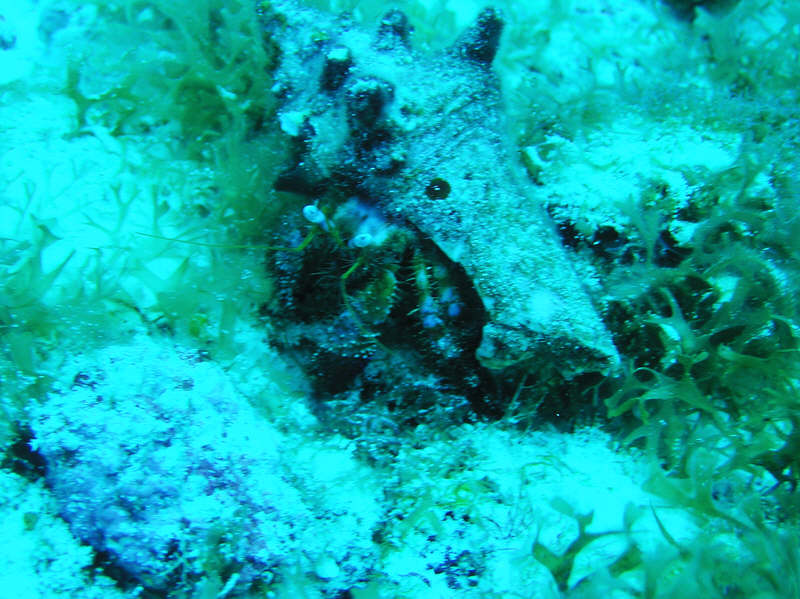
<point x="158" y="464"/>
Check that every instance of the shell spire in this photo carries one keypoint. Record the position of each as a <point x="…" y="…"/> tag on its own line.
<point x="479" y="43"/>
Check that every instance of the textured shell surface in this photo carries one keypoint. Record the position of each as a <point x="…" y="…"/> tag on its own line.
<point x="423" y="137"/>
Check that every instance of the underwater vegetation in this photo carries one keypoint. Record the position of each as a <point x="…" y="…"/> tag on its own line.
<point x="692" y="270"/>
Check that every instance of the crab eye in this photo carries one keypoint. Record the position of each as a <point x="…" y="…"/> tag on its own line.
<point x="437" y="189"/>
